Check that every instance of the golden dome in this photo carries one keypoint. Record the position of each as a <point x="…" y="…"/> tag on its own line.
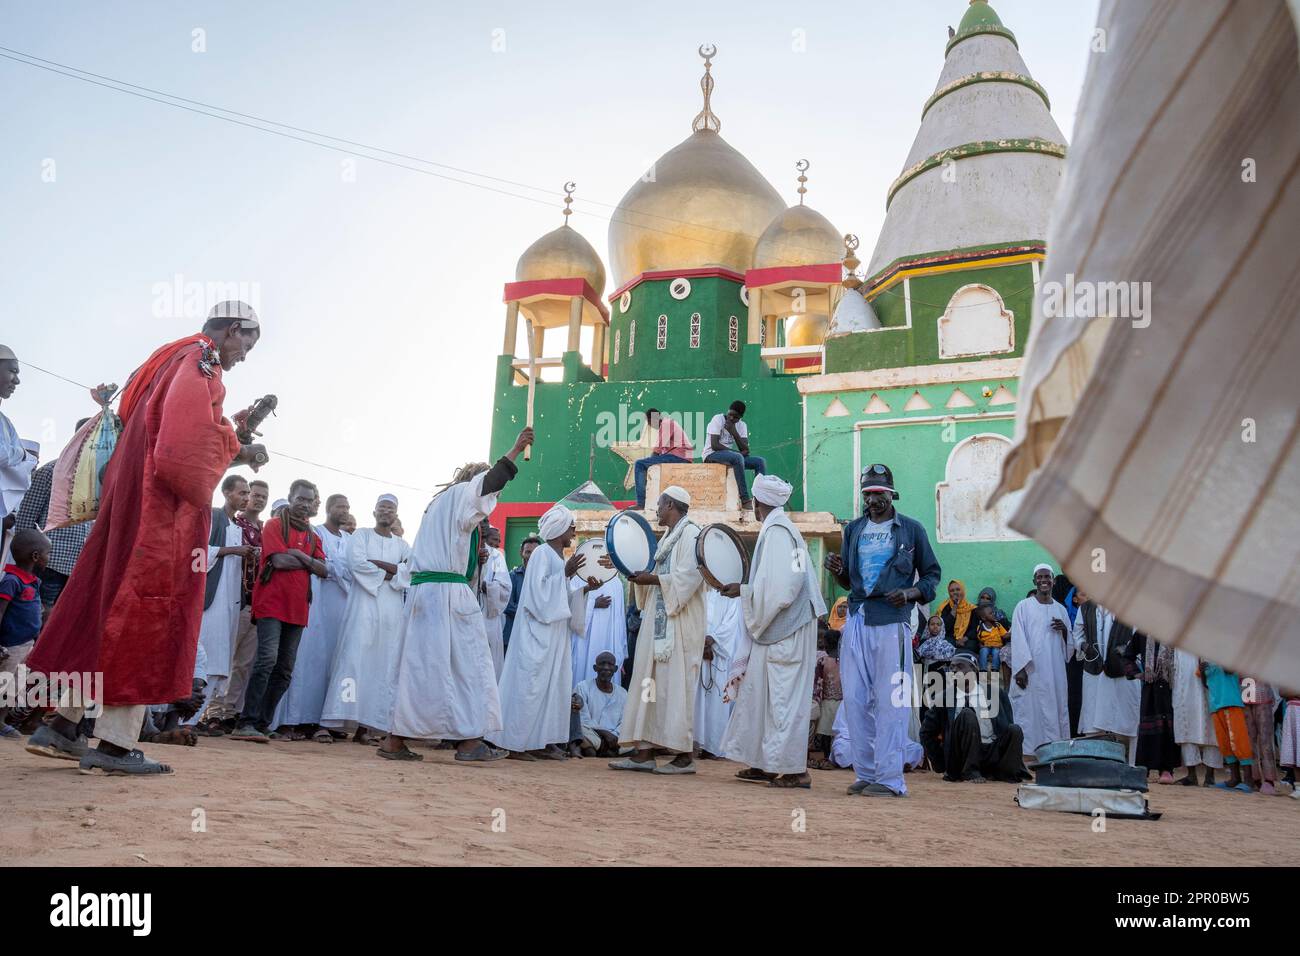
<point x="799" y="236"/>
<point x="701" y="205"/>
<point x="562" y="254"/>
<point x="806" y="330"/>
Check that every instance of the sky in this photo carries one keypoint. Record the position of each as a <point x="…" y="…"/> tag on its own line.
<point x="379" y="287"/>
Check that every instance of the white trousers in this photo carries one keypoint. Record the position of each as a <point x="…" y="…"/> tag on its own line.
<point x="876" y="672"/>
<point x="117" y="725"/>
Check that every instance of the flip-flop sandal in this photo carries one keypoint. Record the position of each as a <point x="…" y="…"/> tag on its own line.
<point x="627" y="763"/>
<point x="781" y="784"/>
<point x="482" y="754"/>
<point x="133" y="763"/>
<point x="519" y="755"/>
<point x="1244" y="788"/>
<point x="323" y="737"/>
<point x="406" y="753"/>
<point x="752" y="775"/>
<point x="671" y="769"/>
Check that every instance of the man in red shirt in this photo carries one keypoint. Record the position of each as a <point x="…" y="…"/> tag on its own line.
<point x="671" y="445"/>
<point x="291" y="553"/>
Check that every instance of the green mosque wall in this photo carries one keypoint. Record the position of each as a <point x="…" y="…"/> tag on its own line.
<point x="714" y="298"/>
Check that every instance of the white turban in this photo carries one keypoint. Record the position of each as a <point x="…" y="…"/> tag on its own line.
<point x="234" y="309"/>
<point x="555" y="522"/>
<point x="772" y="491"/>
<point x="1043" y="567"/>
<point x="678" y="493"/>
<point x="382" y="498"/>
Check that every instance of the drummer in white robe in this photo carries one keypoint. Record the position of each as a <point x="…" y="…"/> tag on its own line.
<point x="604" y="627"/>
<point x="660" y="711"/>
<point x="721" y="643"/>
<point x="768" y="731"/>
<point x="1111" y="705"/>
<point x="1040" y="629"/>
<point x="446" y="688"/>
<point x="223" y="590"/>
<point x="536" y="688"/>
<point x="364" y="669"/>
<point x="304" y="702"/>
<point x="494" y="595"/>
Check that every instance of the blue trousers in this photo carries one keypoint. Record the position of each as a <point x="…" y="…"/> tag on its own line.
<point x="876" y="673"/>
<point x="738" y="463"/>
<point x="993" y="654"/>
<point x="643" y="465"/>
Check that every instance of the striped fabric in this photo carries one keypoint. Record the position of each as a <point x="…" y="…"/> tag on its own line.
<point x="1167" y="454"/>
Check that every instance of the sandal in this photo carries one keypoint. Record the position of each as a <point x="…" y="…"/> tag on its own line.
<point x="791" y="782"/>
<point x="754" y="775"/>
<point x="323" y="736"/>
<point x="482" y="754"/>
<point x="406" y="753"/>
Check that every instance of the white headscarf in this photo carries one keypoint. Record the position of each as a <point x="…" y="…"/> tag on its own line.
<point x="678" y="493"/>
<point x="555" y="522"/>
<point x="772" y="491"/>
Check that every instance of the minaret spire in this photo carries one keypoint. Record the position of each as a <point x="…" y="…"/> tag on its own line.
<point x="569" y="187"/>
<point x="706" y="118"/>
<point x="802" y="166"/>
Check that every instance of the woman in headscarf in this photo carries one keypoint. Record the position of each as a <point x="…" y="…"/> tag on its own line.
<point x="959" y="621"/>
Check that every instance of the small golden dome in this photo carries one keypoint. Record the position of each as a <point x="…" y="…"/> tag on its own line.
<point x="806" y="330"/>
<point x="701" y="205"/>
<point x="799" y="236"/>
<point x="562" y="254"/>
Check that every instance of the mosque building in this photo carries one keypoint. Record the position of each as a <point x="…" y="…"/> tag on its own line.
<point x="719" y="290"/>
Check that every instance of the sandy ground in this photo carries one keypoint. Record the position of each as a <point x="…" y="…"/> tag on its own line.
<point x="339" y="804"/>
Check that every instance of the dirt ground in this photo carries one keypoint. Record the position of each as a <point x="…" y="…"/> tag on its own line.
<point x="338" y="804"/>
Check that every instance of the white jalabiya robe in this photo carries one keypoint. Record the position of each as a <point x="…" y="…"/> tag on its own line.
<point x="221" y="617"/>
<point x="1110" y="705"/>
<point x="16" y="467"/>
<point x="304" y="701"/>
<point x="365" y="664"/>
<point x="711" y="711"/>
<point x="536" y="688"/>
<point x="446" y="686"/>
<point x="493" y="596"/>
<point x="605" y="628"/>
<point x="1193" y="724"/>
<point x="600" y="711"/>
<point x="660" y="708"/>
<point x="770" y="720"/>
<point x="1041" y="709"/>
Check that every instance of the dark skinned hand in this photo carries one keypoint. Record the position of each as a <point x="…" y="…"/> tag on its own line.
<point x="574" y="564"/>
<point x="645" y="578"/>
<point x="708" y="647"/>
<point x="1022" y="679"/>
<point x="731" y="590"/>
<point x="604" y="601"/>
<point x="898" y="597"/>
<point x="1059" y="627"/>
<point x="834" y="564"/>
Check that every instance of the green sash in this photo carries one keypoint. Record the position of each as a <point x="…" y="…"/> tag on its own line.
<point x="451" y="577"/>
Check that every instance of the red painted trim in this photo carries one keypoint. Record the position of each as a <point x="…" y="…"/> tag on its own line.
<point x="829" y="272"/>
<point x="808" y="362"/>
<point x="505" y="510"/>
<point x="514" y="291"/>
<point x="676" y="273"/>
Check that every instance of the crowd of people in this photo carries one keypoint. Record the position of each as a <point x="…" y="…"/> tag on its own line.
<point x="298" y="629"/>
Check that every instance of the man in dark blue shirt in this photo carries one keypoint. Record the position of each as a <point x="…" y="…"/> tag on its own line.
<point x="887" y="566"/>
<point x="516" y="585"/>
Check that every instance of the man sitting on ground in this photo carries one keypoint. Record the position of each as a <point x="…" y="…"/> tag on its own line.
<point x="964" y="737"/>
<point x="597" y="711"/>
<point x="729" y="445"/>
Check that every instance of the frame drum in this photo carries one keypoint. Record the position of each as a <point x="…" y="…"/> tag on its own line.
<point x="631" y="543"/>
<point x="721" y="556"/>
<point x="594" y="549"/>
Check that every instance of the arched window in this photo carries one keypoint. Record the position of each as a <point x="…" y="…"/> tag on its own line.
<point x="618" y="343"/>
<point x="976" y="323"/>
<point x="973" y="470"/>
<point x="733" y="334"/>
<point x="695" y="330"/>
<point x="631" y="338"/>
<point x="662" y="340"/>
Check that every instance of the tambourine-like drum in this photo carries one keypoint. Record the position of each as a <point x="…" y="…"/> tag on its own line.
<point x="593" y="549"/>
<point x="631" y="543"/>
<point x="721" y="556"/>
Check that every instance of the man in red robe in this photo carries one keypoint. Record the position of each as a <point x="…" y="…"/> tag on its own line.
<point x="134" y="603"/>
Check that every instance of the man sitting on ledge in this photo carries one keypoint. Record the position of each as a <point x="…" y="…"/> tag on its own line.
<point x="729" y="445"/>
<point x="671" y="445"/>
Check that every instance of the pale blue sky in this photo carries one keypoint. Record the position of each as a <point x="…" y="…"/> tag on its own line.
<point x="381" y="297"/>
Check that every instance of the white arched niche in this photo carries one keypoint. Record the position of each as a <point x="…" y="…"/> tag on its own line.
<point x="976" y="322"/>
<point x="973" y="471"/>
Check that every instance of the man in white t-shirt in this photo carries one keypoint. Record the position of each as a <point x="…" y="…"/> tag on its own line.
<point x="729" y="445"/>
